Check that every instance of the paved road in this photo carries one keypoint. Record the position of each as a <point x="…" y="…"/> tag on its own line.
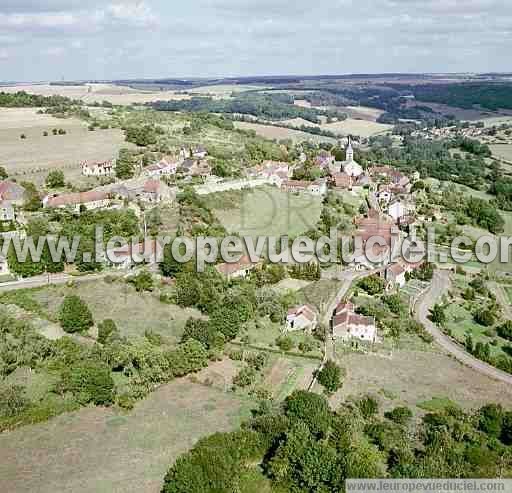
<point x="440" y="285"/>
<point x="44" y="280"/>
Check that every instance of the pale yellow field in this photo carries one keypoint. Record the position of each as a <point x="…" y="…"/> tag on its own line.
<point x="502" y="151"/>
<point x="363" y="128"/>
<point x="280" y="133"/>
<point x="32" y="158"/>
<point x="363" y="112"/>
<point x="91" y="93"/>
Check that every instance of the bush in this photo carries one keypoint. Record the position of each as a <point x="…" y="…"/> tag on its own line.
<point x="372" y="285"/>
<point x="399" y="415"/>
<point x="89" y="382"/>
<point x="74" y="315"/>
<point x="485" y="317"/>
<point x="245" y="377"/>
<point x="55" y="179"/>
<point x="106" y="330"/>
<point x="285" y="343"/>
<point x="368" y="406"/>
<point x="505" y="330"/>
<point x="143" y="281"/>
<point x="13" y="401"/>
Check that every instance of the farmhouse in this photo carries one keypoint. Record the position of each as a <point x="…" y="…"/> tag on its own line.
<point x="233" y="270"/>
<point x="193" y="167"/>
<point x="302" y="317"/>
<point x="341" y="181"/>
<point x="348" y="325"/>
<point x="12" y="192"/>
<point x="106" y="168"/>
<point x="397" y="210"/>
<point x="89" y="200"/>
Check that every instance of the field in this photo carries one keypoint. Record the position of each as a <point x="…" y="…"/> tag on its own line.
<point x="362" y="112"/>
<point x="281" y="133"/>
<point x="350" y="126"/>
<point x="266" y="211"/>
<point x="502" y="151"/>
<point x="133" y="312"/>
<point x="32" y="158"/>
<point x="97" y="93"/>
<point x="100" y="450"/>
<point x="412" y="377"/>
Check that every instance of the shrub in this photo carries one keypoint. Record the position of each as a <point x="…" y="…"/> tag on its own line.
<point x="13" y="401"/>
<point x="143" y="281"/>
<point x="372" y="284"/>
<point x="399" y="415"/>
<point x="89" y="382"/>
<point x="485" y="317"/>
<point x="55" y="179"/>
<point x="285" y="343"/>
<point x="245" y="377"/>
<point x="106" y="330"/>
<point x="74" y="315"/>
<point x="368" y="406"/>
<point x="505" y="330"/>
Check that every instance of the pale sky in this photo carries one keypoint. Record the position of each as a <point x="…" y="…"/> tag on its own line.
<point x="112" y="39"/>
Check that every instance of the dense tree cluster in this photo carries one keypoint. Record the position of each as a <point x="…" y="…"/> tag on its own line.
<point x="305" y="446"/>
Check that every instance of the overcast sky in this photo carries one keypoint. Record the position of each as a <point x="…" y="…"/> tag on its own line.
<point x="109" y="39"/>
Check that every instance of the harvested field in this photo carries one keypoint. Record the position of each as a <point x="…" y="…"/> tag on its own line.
<point x="362" y="112"/>
<point x="32" y="158"/>
<point x="91" y="93"/>
<point x="98" y="450"/>
<point x="414" y="376"/>
<point x="502" y="151"/>
<point x="281" y="133"/>
<point x="363" y="128"/>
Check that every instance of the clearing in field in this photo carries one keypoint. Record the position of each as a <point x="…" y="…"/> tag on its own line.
<point x="133" y="312"/>
<point x="75" y="451"/>
<point x="266" y="211"/>
<point x="32" y="158"/>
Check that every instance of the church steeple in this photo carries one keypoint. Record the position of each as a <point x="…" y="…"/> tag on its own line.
<point x="350" y="151"/>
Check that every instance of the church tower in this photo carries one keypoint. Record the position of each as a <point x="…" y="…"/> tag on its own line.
<point x="349" y="151"/>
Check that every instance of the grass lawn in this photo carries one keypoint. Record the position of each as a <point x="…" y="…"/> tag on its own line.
<point x="133" y="312"/>
<point x="266" y="211"/>
<point x="265" y="333"/>
<point x="436" y="404"/>
<point x="319" y="293"/>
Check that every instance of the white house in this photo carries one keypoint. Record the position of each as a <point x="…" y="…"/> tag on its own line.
<point x="317" y="187"/>
<point x="302" y="317"/>
<point x="106" y="168"/>
<point x="90" y="200"/>
<point x="6" y="211"/>
<point x="162" y="168"/>
<point x="348" y="325"/>
<point x="199" y="152"/>
<point x="397" y="210"/>
<point x="233" y="270"/>
<point x="4" y="266"/>
<point x="395" y="276"/>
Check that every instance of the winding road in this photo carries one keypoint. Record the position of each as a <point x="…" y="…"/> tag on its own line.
<point x="441" y="284"/>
